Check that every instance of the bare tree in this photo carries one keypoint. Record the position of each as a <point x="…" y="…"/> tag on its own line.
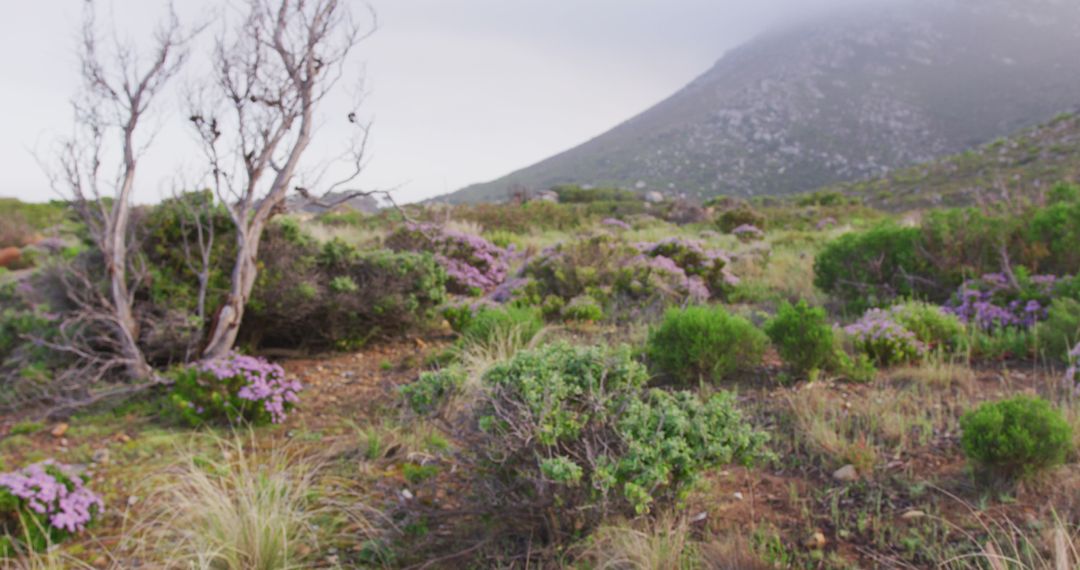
<point x="118" y="90"/>
<point x="271" y="75"/>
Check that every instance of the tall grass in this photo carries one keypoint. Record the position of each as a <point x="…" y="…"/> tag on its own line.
<point x="252" y="509"/>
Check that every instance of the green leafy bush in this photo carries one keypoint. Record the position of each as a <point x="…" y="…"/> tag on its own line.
<point x="335" y="296"/>
<point x="741" y="216"/>
<point x="431" y="390"/>
<point x="871" y="268"/>
<point x="803" y="336"/>
<point x="1061" y="329"/>
<point x="570" y="435"/>
<point x="1015" y="437"/>
<point x="931" y="326"/>
<point x="704" y="343"/>
<point x="582" y="308"/>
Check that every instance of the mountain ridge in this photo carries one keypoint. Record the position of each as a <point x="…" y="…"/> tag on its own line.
<point x="820" y="103"/>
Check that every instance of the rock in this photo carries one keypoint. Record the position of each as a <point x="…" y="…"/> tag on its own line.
<point x="122" y="437"/>
<point x="816" y="541"/>
<point x="132" y="501"/>
<point x="846" y="474"/>
<point x="913" y="514"/>
<point x="101" y="456"/>
<point x="738" y="496"/>
<point x="59" y="430"/>
<point x="699" y="517"/>
<point x="654" y="197"/>
<point x="407" y="494"/>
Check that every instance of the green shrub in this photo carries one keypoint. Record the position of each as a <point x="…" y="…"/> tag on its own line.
<point x="1061" y="329"/>
<point x="1015" y="437"/>
<point x="704" y="343"/>
<point x="803" y="336"/>
<point x="582" y="308"/>
<point x="489" y="323"/>
<point x="871" y="268"/>
<point x="741" y="216"/>
<point x="930" y="325"/>
<point x="431" y="390"/>
<point x="881" y="338"/>
<point x="569" y="435"/>
<point x="334" y="296"/>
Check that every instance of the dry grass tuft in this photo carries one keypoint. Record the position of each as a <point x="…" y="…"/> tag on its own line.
<point x="664" y="544"/>
<point x="252" y="509"/>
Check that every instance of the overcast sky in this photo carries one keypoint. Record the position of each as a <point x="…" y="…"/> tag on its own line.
<point x="460" y="91"/>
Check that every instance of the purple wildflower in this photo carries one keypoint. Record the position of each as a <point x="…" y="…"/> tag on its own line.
<point x="615" y="223"/>
<point x="263" y="382"/>
<point x="65" y="501"/>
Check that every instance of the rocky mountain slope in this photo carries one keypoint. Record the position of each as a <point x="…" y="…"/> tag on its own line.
<point x="1026" y="163"/>
<point x="848" y="97"/>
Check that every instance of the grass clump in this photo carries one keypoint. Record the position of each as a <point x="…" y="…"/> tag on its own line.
<point x="1017" y="437"/>
<point x="704" y="343"/>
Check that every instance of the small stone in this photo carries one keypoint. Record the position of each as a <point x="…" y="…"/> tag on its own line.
<point x="846" y="474"/>
<point x="59" y="430"/>
<point x="913" y="514"/>
<point x="816" y="541"/>
<point x="738" y="496"/>
<point x="101" y="456"/>
<point x="122" y="437"/>
<point x="132" y="500"/>
<point x="407" y="494"/>
<point x="699" y="517"/>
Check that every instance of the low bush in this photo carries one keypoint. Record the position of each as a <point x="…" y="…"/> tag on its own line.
<point x="931" y="325"/>
<point x="997" y="300"/>
<point x="1061" y="329"/>
<point x="617" y="275"/>
<point x="43" y="504"/>
<point x="1016" y="437"/>
<point x="431" y="390"/>
<point x="701" y="343"/>
<point x="473" y="264"/>
<point x="582" y="308"/>
<point x="881" y="338"/>
<point x="872" y="268"/>
<point x="334" y="296"/>
<point x="710" y="266"/>
<point x="572" y="436"/>
<point x="233" y="389"/>
<point x="728" y="221"/>
<point x="803" y="336"/>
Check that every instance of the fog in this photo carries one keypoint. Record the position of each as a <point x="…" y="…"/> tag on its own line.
<point x="459" y="91"/>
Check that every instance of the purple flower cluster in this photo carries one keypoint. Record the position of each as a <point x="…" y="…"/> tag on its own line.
<point x="695" y="261"/>
<point x="615" y="223"/>
<point x="748" y="232"/>
<point x="471" y="262"/>
<point x="263" y="382"/>
<point x="826" y="223"/>
<point x="993" y="301"/>
<point x="65" y="501"/>
<point x="882" y="338"/>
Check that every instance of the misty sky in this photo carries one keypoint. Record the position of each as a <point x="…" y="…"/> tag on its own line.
<point x="460" y="91"/>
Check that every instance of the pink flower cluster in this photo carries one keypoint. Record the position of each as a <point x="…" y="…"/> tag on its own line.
<point x="746" y="231"/>
<point x="993" y="301"/>
<point x="264" y="382"/>
<point x="69" y="506"/>
<point x="710" y="265"/>
<point x="471" y="262"/>
<point x="615" y="223"/>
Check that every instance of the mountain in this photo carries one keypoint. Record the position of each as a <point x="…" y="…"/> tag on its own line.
<point x="846" y="97"/>
<point x="1028" y="162"/>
